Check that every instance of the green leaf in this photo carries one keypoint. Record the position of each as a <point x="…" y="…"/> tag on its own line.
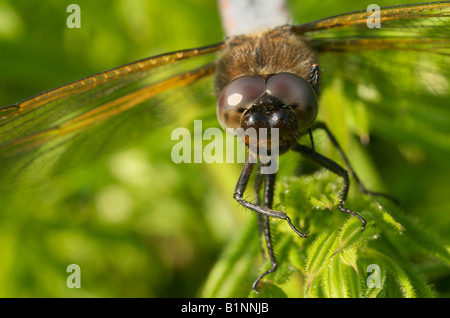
<point x="352" y="234"/>
<point x="320" y="255"/>
<point x="425" y="239"/>
<point x="338" y="260"/>
<point x="231" y="275"/>
<point x="409" y="283"/>
<point x="349" y="257"/>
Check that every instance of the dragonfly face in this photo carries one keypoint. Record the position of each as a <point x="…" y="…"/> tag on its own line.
<point x="265" y="80"/>
<point x="270" y="93"/>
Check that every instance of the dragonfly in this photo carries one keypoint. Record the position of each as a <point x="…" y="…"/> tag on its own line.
<point x="283" y="67"/>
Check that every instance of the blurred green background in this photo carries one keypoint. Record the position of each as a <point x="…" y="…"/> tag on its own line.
<point x="137" y="224"/>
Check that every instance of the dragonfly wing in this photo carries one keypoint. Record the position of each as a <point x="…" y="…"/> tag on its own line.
<point x="59" y="129"/>
<point x="400" y="71"/>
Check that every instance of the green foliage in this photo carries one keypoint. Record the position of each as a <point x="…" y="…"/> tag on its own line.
<point x="339" y="259"/>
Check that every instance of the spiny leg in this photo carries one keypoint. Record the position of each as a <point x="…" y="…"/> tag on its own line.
<point x="265" y="211"/>
<point x="335" y="168"/>
<point x="269" y="185"/>
<point x="239" y="192"/>
<point x="259" y="216"/>
<point x="361" y="187"/>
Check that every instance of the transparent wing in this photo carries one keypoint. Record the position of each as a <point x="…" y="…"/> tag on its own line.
<point x="400" y="71"/>
<point x="58" y="129"/>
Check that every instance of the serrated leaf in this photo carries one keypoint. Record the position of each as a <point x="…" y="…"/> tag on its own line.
<point x="321" y="203"/>
<point x="319" y="255"/>
<point x="407" y="281"/>
<point x="351" y="233"/>
<point x="384" y="218"/>
<point x="333" y="280"/>
<point x="423" y="238"/>
<point x="352" y="280"/>
<point x="349" y="256"/>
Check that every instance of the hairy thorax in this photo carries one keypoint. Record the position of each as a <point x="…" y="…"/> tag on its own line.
<point x="274" y="51"/>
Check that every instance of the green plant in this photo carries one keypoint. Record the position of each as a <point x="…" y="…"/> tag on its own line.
<point x="387" y="259"/>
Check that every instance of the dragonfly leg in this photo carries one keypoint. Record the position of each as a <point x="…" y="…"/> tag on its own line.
<point x="269" y="185"/>
<point x="264" y="211"/>
<point x="257" y="188"/>
<point x="335" y="168"/>
<point x="273" y="261"/>
<point x="361" y="187"/>
<point x="238" y="196"/>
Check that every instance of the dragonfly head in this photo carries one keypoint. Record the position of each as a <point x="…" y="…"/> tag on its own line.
<point x="260" y="103"/>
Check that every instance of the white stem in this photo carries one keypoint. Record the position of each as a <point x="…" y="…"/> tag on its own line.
<point x="250" y="16"/>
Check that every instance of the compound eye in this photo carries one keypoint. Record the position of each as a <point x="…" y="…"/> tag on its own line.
<point x="236" y="97"/>
<point x="295" y="92"/>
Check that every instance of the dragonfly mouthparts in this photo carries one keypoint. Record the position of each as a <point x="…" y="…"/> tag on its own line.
<point x="269" y="113"/>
